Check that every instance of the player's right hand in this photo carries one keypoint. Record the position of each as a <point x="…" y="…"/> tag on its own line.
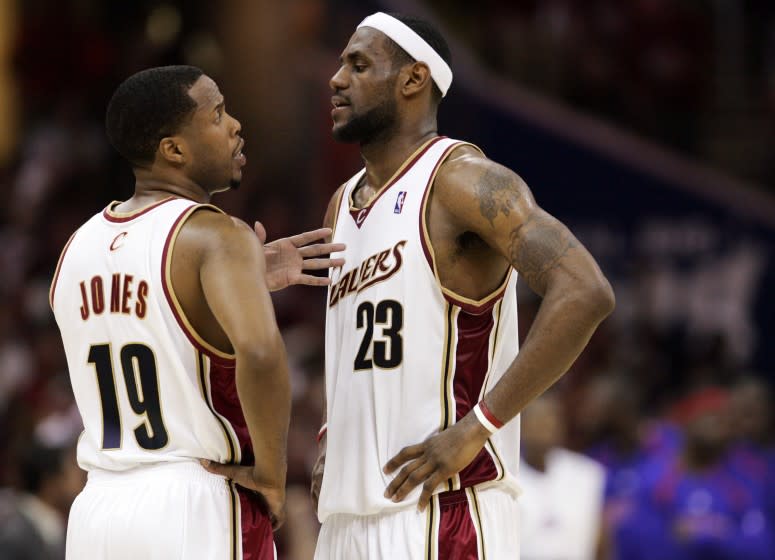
<point x="250" y="479"/>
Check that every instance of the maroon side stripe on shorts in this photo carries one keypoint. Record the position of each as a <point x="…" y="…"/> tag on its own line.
<point x="256" y="528"/>
<point x="458" y="537"/>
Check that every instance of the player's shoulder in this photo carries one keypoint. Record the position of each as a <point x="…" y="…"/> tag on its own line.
<point x="467" y="176"/>
<point x="333" y="207"/>
<point x="208" y="228"/>
<point x="337" y="196"/>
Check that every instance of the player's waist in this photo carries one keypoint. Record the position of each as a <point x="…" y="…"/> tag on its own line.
<point x="189" y="471"/>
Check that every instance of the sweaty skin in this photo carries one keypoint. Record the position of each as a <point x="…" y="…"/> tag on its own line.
<point x="482" y="220"/>
<point x="222" y="274"/>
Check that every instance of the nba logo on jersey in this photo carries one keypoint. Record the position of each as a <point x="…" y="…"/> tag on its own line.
<point x="399" y="202"/>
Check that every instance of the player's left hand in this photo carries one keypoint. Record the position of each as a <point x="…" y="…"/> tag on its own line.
<point x="246" y="476"/>
<point x="289" y="257"/>
<point x="433" y="461"/>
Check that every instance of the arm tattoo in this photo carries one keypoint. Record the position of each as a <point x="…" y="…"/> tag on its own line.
<point x="498" y="193"/>
<point x="537" y="247"/>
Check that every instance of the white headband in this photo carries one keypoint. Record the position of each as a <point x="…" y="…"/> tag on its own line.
<point x="414" y="45"/>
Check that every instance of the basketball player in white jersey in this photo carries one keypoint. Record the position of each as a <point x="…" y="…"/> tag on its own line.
<point x="171" y="341"/>
<point x="419" y="453"/>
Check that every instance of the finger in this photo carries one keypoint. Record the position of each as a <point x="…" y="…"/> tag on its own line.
<point x="412" y="471"/>
<point x="310" y="236"/>
<point x="317" y="249"/>
<point x="309" y="280"/>
<point x="258" y="227"/>
<point x="406" y="454"/>
<point x="228" y="471"/>
<point x="427" y="492"/>
<point x="320" y="264"/>
<point x="418" y="477"/>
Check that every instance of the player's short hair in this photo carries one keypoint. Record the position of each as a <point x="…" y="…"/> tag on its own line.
<point x="148" y="106"/>
<point x="430" y="35"/>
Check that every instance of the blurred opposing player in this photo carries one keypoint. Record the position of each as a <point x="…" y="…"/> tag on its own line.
<point x="171" y="341"/>
<point x="419" y="459"/>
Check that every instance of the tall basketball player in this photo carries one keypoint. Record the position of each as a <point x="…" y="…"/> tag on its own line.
<point x="171" y="341"/>
<point x="423" y="381"/>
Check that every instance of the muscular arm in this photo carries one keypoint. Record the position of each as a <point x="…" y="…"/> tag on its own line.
<point x="492" y="201"/>
<point x="232" y="276"/>
<point x="476" y="195"/>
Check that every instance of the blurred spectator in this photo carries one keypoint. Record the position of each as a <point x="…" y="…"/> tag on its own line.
<point x="562" y="500"/>
<point x="752" y="455"/>
<point x="615" y="432"/>
<point x="694" y="507"/>
<point x="33" y="520"/>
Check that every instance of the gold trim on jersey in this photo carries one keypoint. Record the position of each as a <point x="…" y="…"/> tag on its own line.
<point x="173" y="298"/>
<point x="490" y="446"/>
<point x="473" y="507"/>
<point x="232" y="443"/>
<point x="432" y="529"/>
<point x="427" y="237"/>
<point x="390" y="181"/>
<point x="124" y="215"/>
<point x="338" y="210"/>
<point x="449" y="361"/>
<point x="55" y="279"/>
<point x="496" y="312"/>
<point x="236" y="524"/>
<point x="447" y="364"/>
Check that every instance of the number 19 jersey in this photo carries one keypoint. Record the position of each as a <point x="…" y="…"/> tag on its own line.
<point x="149" y="389"/>
<point x="405" y="357"/>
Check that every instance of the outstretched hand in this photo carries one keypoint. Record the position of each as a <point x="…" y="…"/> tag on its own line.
<point x="435" y="460"/>
<point x="289" y="257"/>
<point x="247" y="477"/>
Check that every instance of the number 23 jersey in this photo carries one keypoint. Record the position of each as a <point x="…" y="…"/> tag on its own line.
<point x="405" y="357"/>
<point x="148" y="387"/>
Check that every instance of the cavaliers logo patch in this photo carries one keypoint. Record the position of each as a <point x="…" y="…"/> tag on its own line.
<point x="118" y="241"/>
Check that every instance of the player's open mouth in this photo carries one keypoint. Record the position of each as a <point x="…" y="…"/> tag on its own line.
<point x="238" y="155"/>
<point x="340" y="104"/>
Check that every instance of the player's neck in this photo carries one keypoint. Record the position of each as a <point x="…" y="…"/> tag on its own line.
<point x="150" y="188"/>
<point x="383" y="157"/>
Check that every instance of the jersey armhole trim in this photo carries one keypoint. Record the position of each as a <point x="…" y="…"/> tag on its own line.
<point x="52" y="289"/>
<point x="475" y="307"/>
<point x="338" y="210"/>
<point x="166" y="279"/>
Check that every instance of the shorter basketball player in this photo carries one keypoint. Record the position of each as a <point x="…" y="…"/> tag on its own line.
<point x="171" y="340"/>
<point x="423" y="378"/>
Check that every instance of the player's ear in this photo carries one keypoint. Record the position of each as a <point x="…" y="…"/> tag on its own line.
<point x="415" y="78"/>
<point x="171" y="149"/>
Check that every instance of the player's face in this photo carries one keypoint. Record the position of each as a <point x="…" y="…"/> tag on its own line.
<point x="365" y="106"/>
<point x="215" y="157"/>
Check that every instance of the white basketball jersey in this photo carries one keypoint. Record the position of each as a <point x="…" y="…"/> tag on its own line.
<point x="405" y="357"/>
<point x="148" y="388"/>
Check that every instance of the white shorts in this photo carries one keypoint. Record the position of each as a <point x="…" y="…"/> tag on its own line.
<point x="165" y="512"/>
<point x="464" y="524"/>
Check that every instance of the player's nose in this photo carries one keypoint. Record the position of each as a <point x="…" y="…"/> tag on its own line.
<point x="338" y="80"/>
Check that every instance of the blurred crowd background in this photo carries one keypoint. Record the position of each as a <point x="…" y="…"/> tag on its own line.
<point x="646" y="125"/>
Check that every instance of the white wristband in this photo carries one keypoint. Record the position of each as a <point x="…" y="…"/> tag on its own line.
<point x="492" y="428"/>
